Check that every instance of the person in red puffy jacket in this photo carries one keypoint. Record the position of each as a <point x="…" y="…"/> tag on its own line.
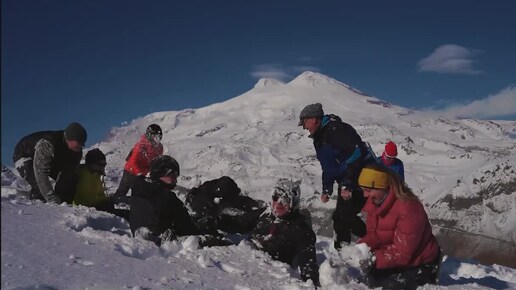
<point x="399" y="234"/>
<point x="140" y="157"/>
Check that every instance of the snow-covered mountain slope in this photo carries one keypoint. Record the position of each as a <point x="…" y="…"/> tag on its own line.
<point x="254" y="139"/>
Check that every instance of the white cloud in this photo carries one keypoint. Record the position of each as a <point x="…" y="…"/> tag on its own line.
<point x="269" y="70"/>
<point x="498" y="105"/>
<point x="278" y="71"/>
<point x="450" y="58"/>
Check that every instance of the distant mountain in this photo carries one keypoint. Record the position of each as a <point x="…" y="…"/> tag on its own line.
<point x="462" y="169"/>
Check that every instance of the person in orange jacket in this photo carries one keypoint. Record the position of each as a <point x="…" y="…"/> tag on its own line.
<point x="399" y="233"/>
<point x="138" y="162"/>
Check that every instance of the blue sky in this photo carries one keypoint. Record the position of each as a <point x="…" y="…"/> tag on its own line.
<point x="105" y="62"/>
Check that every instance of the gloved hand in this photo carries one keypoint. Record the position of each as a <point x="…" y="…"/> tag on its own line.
<point x="52" y="198"/>
<point x="366" y="264"/>
<point x="120" y="199"/>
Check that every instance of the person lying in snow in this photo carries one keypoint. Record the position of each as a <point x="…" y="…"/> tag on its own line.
<point x="398" y="232"/>
<point x="156" y="213"/>
<point x="284" y="233"/>
<point x="219" y="205"/>
<point x="90" y="189"/>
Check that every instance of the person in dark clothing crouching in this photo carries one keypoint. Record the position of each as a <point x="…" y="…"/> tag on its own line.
<point x="284" y="233"/>
<point x="45" y="155"/>
<point x="156" y="212"/>
<point x="219" y="205"/>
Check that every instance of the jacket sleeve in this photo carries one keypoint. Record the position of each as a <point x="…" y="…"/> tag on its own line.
<point x="307" y="258"/>
<point x="43" y="154"/>
<point x="407" y="236"/>
<point x="331" y="169"/>
<point x="371" y="238"/>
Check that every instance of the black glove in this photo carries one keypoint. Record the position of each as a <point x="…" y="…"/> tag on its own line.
<point x="366" y="264"/>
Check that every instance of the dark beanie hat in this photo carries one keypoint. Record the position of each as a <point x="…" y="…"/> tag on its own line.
<point x="311" y="111"/>
<point x="94" y="156"/>
<point x="76" y="132"/>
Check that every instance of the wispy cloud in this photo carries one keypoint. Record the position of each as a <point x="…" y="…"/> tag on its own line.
<point x="500" y="104"/>
<point x="279" y="71"/>
<point x="450" y="58"/>
<point x="270" y="70"/>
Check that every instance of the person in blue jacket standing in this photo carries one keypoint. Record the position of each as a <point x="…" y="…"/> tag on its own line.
<point x="342" y="155"/>
<point x="389" y="159"/>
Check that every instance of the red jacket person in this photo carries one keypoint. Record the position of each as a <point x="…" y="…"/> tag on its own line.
<point x="398" y="232"/>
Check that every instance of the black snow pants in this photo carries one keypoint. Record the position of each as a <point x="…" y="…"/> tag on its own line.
<point x="126" y="183"/>
<point x="345" y="219"/>
<point x="405" y="278"/>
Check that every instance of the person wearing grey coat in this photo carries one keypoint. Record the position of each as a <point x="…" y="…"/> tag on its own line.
<point x="51" y="154"/>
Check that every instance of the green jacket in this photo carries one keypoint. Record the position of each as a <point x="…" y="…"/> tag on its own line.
<point x="90" y="188"/>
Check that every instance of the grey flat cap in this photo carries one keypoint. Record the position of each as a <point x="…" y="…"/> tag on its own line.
<point x="311" y="111"/>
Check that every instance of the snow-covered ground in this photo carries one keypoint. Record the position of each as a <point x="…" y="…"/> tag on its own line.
<point x="63" y="247"/>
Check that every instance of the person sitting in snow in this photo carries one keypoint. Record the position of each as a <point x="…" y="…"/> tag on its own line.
<point x="157" y="214"/>
<point x="51" y="154"/>
<point x="389" y="159"/>
<point x="399" y="234"/>
<point x="219" y="205"/>
<point x="138" y="161"/>
<point x="284" y="234"/>
<point x="90" y="189"/>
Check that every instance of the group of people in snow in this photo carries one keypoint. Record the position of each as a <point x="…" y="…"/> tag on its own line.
<point x="396" y="227"/>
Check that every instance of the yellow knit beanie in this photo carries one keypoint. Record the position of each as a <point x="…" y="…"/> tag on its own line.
<point x="372" y="178"/>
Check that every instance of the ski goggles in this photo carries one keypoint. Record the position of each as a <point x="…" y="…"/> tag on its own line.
<point x="280" y="195"/>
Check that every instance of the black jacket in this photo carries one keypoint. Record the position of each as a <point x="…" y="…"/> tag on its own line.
<point x="218" y="205"/>
<point x="340" y="151"/>
<point x="64" y="158"/>
<point x="286" y="239"/>
<point x="156" y="207"/>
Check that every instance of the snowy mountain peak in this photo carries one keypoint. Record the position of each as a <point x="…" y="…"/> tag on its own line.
<point x="314" y="79"/>
<point x="267" y="82"/>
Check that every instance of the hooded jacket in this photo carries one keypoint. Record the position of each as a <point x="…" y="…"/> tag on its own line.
<point x="399" y="233"/>
<point x="143" y="152"/>
<point x="286" y="239"/>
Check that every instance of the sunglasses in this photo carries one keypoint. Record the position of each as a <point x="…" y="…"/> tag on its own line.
<point x="282" y="198"/>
